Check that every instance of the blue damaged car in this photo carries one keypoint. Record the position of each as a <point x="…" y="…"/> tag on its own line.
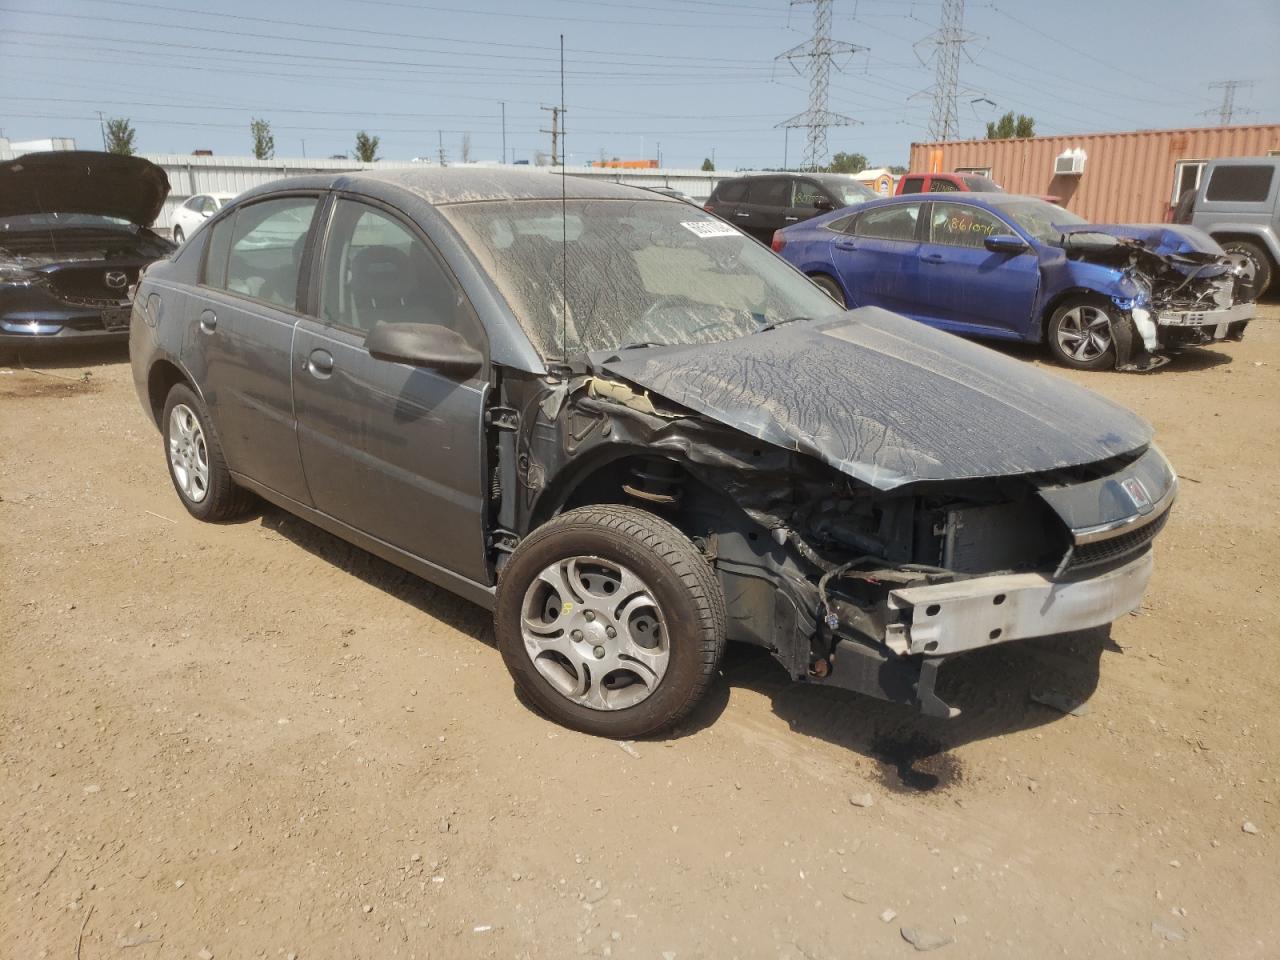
<point x="1018" y="268"/>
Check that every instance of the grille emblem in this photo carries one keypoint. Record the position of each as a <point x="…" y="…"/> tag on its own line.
<point x="1136" y="491"/>
<point x="117" y="279"/>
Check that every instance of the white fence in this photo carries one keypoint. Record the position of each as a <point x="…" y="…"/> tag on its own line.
<point x="190" y="175"/>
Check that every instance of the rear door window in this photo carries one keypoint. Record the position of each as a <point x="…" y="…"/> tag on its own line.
<point x="1240" y="184"/>
<point x="808" y="194"/>
<point x="912" y="184"/>
<point x="215" y="257"/>
<point x="770" y="192"/>
<point x="266" y="249"/>
<point x="896" y="222"/>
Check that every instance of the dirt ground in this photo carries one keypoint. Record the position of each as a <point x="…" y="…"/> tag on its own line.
<point x="253" y="740"/>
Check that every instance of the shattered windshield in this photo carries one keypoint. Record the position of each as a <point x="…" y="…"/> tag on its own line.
<point x="631" y="272"/>
<point x="1041" y="219"/>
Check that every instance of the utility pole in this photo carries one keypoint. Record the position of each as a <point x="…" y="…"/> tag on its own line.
<point x="102" y="130"/>
<point x="304" y="147"/>
<point x="440" y="133"/>
<point x="820" y="51"/>
<point x="948" y="42"/>
<point x="555" y="131"/>
<point x="1227" y="110"/>
<point x="504" y="130"/>
<point x="659" y="153"/>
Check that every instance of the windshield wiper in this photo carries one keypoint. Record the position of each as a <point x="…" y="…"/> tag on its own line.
<point x="641" y="344"/>
<point x="774" y="325"/>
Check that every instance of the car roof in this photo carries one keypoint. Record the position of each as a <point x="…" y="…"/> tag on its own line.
<point x="438" y="186"/>
<point x="971" y="197"/>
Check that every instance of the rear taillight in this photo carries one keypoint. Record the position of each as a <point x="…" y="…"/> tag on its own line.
<point x="709" y="208"/>
<point x="779" y="241"/>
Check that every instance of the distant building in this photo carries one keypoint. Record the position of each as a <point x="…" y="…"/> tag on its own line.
<point x="1134" y="177"/>
<point x="16" y="148"/>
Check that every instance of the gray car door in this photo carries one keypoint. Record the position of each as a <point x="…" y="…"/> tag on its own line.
<point x="393" y="450"/>
<point x="240" y="322"/>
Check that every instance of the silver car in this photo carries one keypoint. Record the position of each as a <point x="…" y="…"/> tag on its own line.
<point x="635" y="434"/>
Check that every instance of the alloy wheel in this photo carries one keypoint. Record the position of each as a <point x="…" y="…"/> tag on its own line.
<point x="1084" y="333"/>
<point x="595" y="632"/>
<point x="188" y="455"/>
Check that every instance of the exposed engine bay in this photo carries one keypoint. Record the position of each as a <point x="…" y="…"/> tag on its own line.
<point x="1186" y="296"/>
<point x="843" y="582"/>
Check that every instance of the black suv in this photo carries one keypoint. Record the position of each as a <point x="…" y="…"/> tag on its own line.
<point x="764" y="203"/>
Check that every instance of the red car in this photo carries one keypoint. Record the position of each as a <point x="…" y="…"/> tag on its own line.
<point x="953" y="183"/>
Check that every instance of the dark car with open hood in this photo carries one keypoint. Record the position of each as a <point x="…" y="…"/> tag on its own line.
<point x="73" y="237"/>
<point x="635" y="434"/>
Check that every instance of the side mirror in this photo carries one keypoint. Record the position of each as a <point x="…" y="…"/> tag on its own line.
<point x="427" y="345"/>
<point x="823" y="204"/>
<point x="206" y="214"/>
<point x="1005" y="243"/>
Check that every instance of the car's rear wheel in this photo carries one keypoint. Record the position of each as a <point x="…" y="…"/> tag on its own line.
<point x="829" y="287"/>
<point x="196" y="464"/>
<point x="1257" y="268"/>
<point x="178" y="235"/>
<point x="1080" y="335"/>
<point x="610" y="621"/>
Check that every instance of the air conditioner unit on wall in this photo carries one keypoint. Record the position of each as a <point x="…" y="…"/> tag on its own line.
<point x="1069" y="163"/>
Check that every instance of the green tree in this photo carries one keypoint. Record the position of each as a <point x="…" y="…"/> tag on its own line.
<point x="707" y="165"/>
<point x="366" y="147"/>
<point x="847" y="163"/>
<point x="120" y="134"/>
<point x="264" y="144"/>
<point x="897" y="169"/>
<point x="1010" y="127"/>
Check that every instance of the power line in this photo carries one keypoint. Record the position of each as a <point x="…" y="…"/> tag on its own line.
<point x="820" y="51"/>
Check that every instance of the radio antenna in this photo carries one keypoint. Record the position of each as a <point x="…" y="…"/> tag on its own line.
<point x="564" y="229"/>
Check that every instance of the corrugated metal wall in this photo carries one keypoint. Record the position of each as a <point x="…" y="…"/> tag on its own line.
<point x="1128" y="177"/>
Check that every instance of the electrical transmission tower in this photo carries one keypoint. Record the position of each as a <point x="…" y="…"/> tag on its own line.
<point x="1228" y="109"/>
<point x="948" y="42"/>
<point x="556" y="133"/>
<point x="821" y="51"/>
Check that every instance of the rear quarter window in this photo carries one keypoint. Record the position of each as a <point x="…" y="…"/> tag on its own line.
<point x="912" y="184"/>
<point x="1240" y="184"/>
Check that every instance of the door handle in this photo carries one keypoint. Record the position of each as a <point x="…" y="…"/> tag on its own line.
<point x="742" y="214"/>
<point x="932" y="258"/>
<point x="320" y="364"/>
<point x="208" y="321"/>
<point x="845" y="245"/>
<point x="790" y="219"/>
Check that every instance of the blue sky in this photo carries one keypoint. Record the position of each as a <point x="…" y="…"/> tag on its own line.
<point x="692" y="76"/>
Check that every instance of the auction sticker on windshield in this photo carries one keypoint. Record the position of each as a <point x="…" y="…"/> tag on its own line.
<point x="709" y="228"/>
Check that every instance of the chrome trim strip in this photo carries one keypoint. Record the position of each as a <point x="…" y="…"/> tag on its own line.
<point x="1105" y="531"/>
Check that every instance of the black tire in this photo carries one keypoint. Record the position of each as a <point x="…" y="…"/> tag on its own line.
<point x="1259" y="261"/>
<point x="681" y="581"/>
<point x="222" y="499"/>
<point x="829" y="287"/>
<point x="178" y="236"/>
<point x="1055" y="334"/>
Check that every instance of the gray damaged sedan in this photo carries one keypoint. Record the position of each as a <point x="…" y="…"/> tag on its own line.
<point x="635" y="434"/>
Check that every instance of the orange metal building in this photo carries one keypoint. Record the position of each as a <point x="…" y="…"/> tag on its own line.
<point x="1132" y="177"/>
<point x="625" y="164"/>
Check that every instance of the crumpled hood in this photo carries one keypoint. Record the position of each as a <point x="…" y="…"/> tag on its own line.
<point x="1167" y="239"/>
<point x="83" y="181"/>
<point x="889" y="401"/>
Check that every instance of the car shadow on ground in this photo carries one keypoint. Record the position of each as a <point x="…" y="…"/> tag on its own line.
<point x="1192" y="358"/>
<point x="68" y="356"/>
<point x="994" y="688"/>
<point x="997" y="689"/>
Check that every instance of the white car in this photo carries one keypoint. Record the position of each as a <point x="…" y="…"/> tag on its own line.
<point x="196" y="211"/>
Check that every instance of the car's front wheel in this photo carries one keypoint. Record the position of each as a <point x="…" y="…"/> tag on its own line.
<point x="196" y="464"/>
<point x="610" y="621"/>
<point x="1080" y="335"/>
